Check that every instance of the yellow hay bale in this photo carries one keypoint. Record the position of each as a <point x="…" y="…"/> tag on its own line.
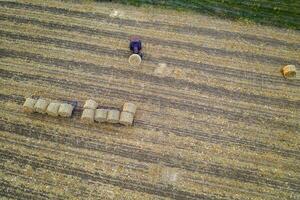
<point x="65" y="110"/>
<point x="113" y="116"/>
<point x="289" y="71"/>
<point x="101" y="115"/>
<point x="135" y="60"/>
<point x="88" y="115"/>
<point x="53" y="108"/>
<point x="41" y="106"/>
<point x="90" y="104"/>
<point x="28" y="105"/>
<point x="129" y="107"/>
<point x="126" y="118"/>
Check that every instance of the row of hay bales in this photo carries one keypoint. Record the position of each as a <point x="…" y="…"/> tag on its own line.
<point x="91" y="114"/>
<point x="44" y="106"/>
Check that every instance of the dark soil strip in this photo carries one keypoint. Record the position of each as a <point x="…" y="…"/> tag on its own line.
<point x="22" y="192"/>
<point x="43" y="181"/>
<point x="154" y="25"/>
<point x="146" y="156"/>
<point x="90" y="158"/>
<point x="161" y="190"/>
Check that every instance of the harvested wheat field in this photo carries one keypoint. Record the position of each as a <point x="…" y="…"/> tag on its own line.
<point x="215" y="119"/>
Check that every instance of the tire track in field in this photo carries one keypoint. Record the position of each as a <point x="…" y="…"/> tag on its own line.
<point x="155" y="41"/>
<point x="86" y="157"/>
<point x="153" y="25"/>
<point x="8" y="190"/>
<point x="167" y="81"/>
<point x="201" y="67"/>
<point x="29" y="179"/>
<point x="148" y="156"/>
<point x="160" y="190"/>
<point x="213" y="138"/>
<point x="18" y="175"/>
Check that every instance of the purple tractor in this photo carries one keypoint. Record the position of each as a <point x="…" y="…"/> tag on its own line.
<point x="135" y="46"/>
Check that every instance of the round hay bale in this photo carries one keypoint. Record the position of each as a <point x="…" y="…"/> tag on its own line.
<point x="28" y="105"/>
<point x="129" y="107"/>
<point x="113" y="116"/>
<point x="135" y="60"/>
<point x="53" y="108"/>
<point x="101" y="115"/>
<point x="90" y="104"/>
<point x="88" y="115"/>
<point x="41" y="106"/>
<point x="126" y="118"/>
<point x="289" y="71"/>
<point x="65" y="110"/>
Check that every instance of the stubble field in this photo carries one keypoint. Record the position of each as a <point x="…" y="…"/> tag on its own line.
<point x="215" y="119"/>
